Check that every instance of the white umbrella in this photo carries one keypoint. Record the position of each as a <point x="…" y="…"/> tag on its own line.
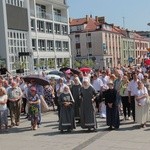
<point x="53" y="76"/>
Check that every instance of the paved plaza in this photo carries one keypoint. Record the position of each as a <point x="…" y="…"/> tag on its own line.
<point x="128" y="137"/>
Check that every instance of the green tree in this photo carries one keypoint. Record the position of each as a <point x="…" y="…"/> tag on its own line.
<point x="51" y="63"/>
<point x="87" y="63"/>
<point x="42" y="63"/>
<point x="77" y="64"/>
<point x="65" y="63"/>
<point x="19" y="65"/>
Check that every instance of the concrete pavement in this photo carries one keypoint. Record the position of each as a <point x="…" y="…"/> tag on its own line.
<point x="128" y="137"/>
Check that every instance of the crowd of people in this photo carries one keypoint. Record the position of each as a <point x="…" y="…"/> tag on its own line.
<point x="78" y="98"/>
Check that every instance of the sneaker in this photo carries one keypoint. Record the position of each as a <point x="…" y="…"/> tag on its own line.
<point x="129" y="118"/>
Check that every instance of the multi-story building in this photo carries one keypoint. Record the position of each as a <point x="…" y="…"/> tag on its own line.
<point x="15" y="35"/>
<point x="49" y="33"/>
<point x="93" y="38"/>
<point x="34" y="32"/>
<point x="134" y="47"/>
<point x="106" y="44"/>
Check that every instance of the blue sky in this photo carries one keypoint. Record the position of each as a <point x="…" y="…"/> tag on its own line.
<point x="136" y="13"/>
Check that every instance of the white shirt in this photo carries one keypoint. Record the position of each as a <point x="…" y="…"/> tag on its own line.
<point x="61" y="89"/>
<point x="140" y="92"/>
<point x="97" y="84"/>
<point x="23" y="87"/>
<point x="144" y="69"/>
<point x="2" y="98"/>
<point x="132" y="87"/>
<point x="105" y="79"/>
<point x="140" y="76"/>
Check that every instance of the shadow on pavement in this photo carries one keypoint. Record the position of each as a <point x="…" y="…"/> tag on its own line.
<point x="18" y="130"/>
<point x="134" y="127"/>
<point x="82" y="131"/>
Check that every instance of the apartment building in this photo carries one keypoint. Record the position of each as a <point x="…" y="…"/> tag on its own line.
<point x="106" y="44"/>
<point x="93" y="38"/>
<point x="15" y="35"/>
<point x="34" y="32"/>
<point x="49" y="33"/>
<point x="134" y="47"/>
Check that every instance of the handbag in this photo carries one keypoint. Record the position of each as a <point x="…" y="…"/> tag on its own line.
<point x="148" y="100"/>
<point x="44" y="106"/>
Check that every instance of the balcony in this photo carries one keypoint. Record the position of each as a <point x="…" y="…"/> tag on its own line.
<point x="44" y="15"/>
<point x="61" y="2"/>
<point x="60" y="19"/>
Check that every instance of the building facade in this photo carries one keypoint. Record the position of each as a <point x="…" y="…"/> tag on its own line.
<point x="93" y="38"/>
<point x="49" y="33"/>
<point x="108" y="45"/>
<point x="15" y="49"/>
<point x="134" y="48"/>
<point x="34" y="33"/>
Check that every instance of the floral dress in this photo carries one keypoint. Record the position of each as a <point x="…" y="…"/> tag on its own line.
<point x="48" y="96"/>
<point x="34" y="109"/>
<point x="3" y="111"/>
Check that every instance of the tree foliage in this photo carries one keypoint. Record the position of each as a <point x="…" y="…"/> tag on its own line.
<point x="84" y="63"/>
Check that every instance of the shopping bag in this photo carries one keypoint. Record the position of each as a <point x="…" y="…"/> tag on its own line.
<point x="44" y="106"/>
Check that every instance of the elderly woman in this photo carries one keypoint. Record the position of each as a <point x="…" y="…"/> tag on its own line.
<point x="146" y="82"/>
<point x="3" y="108"/>
<point x="66" y="102"/>
<point x="88" y="118"/>
<point x="141" y="95"/>
<point x="49" y="96"/>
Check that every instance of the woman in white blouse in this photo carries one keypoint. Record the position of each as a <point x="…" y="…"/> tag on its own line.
<point x="141" y="95"/>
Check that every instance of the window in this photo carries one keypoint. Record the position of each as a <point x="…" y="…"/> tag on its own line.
<point x="59" y="62"/>
<point x="49" y="27"/>
<point x="40" y="26"/>
<point x="50" y="45"/>
<point x="57" y="12"/>
<point x="41" y="45"/>
<point x="77" y="45"/>
<point x="34" y="44"/>
<point x="88" y="37"/>
<point x="89" y="45"/>
<point x="32" y="24"/>
<point x="41" y="11"/>
<point x="78" y="28"/>
<point x="64" y="29"/>
<point x="77" y="38"/>
<point x="58" y="45"/>
<point x="19" y="3"/>
<point x="78" y="52"/>
<point x="57" y="28"/>
<point x="65" y="46"/>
